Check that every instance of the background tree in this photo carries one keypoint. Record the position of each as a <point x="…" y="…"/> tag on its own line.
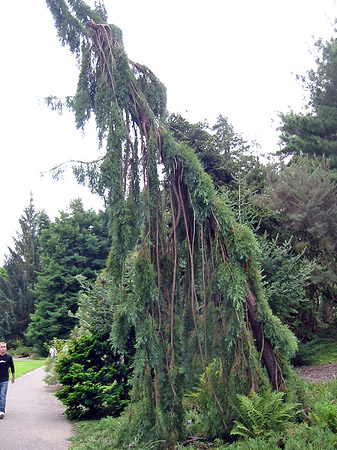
<point x="304" y="194"/>
<point x="231" y="163"/>
<point x="314" y="132"/>
<point x="287" y="276"/>
<point x="21" y="267"/>
<point x="75" y="244"/>
<point x="311" y="211"/>
<point x="219" y="148"/>
<point x="6" y="305"/>
<point x="185" y="274"/>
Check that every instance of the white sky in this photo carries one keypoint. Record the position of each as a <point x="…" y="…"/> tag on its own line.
<point x="238" y="58"/>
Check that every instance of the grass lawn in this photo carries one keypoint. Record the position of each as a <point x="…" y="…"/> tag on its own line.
<point x="27" y="365"/>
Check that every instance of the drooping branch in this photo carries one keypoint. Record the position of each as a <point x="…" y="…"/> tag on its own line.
<point x="101" y="36"/>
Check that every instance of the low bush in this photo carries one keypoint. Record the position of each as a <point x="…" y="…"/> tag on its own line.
<point x="20" y="350"/>
<point x="94" y="380"/>
<point x="51" y="377"/>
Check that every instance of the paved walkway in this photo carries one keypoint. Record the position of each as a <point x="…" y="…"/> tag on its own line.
<point x="34" y="418"/>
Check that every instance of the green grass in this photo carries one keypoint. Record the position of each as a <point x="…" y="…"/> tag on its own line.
<point x="94" y="434"/>
<point x="322" y="349"/>
<point x="27" y="365"/>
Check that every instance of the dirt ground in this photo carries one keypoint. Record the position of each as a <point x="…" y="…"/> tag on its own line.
<point x="320" y="373"/>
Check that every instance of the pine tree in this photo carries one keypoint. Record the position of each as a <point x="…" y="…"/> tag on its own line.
<point x="22" y="265"/>
<point x="6" y="305"/>
<point x="314" y="132"/>
<point x="76" y="244"/>
<point x="186" y="275"/>
<point x="305" y="195"/>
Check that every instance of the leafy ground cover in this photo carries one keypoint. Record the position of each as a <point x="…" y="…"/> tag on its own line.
<point x="27" y="365"/>
<point x="315" y="421"/>
<point x="321" y="349"/>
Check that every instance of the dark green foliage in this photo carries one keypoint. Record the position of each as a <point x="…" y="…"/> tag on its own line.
<point x="93" y="378"/>
<point x="305" y="195"/>
<point x="75" y="244"/>
<point x="27" y="241"/>
<point x="210" y="417"/>
<point x="224" y="155"/>
<point x="313" y="207"/>
<point x="198" y="137"/>
<point x="6" y="306"/>
<point x="17" y="297"/>
<point x="286" y="276"/>
<point x="18" y="279"/>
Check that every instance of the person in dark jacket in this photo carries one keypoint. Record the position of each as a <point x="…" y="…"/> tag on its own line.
<point x="6" y="363"/>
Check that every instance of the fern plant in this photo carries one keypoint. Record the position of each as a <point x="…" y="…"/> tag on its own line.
<point x="325" y="414"/>
<point x="262" y="413"/>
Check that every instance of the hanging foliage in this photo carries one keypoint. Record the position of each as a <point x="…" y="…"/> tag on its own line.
<point x="187" y="275"/>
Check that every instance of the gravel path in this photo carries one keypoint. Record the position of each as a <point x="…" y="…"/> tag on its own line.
<point x="34" y="418"/>
<point x="319" y="373"/>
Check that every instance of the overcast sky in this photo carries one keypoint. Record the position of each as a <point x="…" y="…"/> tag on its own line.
<point x="236" y="58"/>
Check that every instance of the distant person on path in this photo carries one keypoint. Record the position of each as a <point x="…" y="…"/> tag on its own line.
<point x="53" y="352"/>
<point x="6" y="363"/>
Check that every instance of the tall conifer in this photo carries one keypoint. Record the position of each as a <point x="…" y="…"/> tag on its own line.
<point x="186" y="275"/>
<point x="21" y="267"/>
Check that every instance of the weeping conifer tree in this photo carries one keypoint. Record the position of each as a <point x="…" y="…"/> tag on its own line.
<point x="186" y="276"/>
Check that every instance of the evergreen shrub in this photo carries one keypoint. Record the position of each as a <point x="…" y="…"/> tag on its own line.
<point x="93" y="378"/>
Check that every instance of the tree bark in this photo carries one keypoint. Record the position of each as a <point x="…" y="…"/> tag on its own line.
<point x="262" y="343"/>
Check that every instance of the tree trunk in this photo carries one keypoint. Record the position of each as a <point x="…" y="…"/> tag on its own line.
<point x="262" y="343"/>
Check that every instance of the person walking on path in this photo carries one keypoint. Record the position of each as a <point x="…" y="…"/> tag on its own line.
<point x="35" y="418"/>
<point x="6" y="363"/>
<point x="53" y="352"/>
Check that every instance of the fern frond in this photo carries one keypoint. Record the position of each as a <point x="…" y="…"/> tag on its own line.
<point x="262" y="413"/>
